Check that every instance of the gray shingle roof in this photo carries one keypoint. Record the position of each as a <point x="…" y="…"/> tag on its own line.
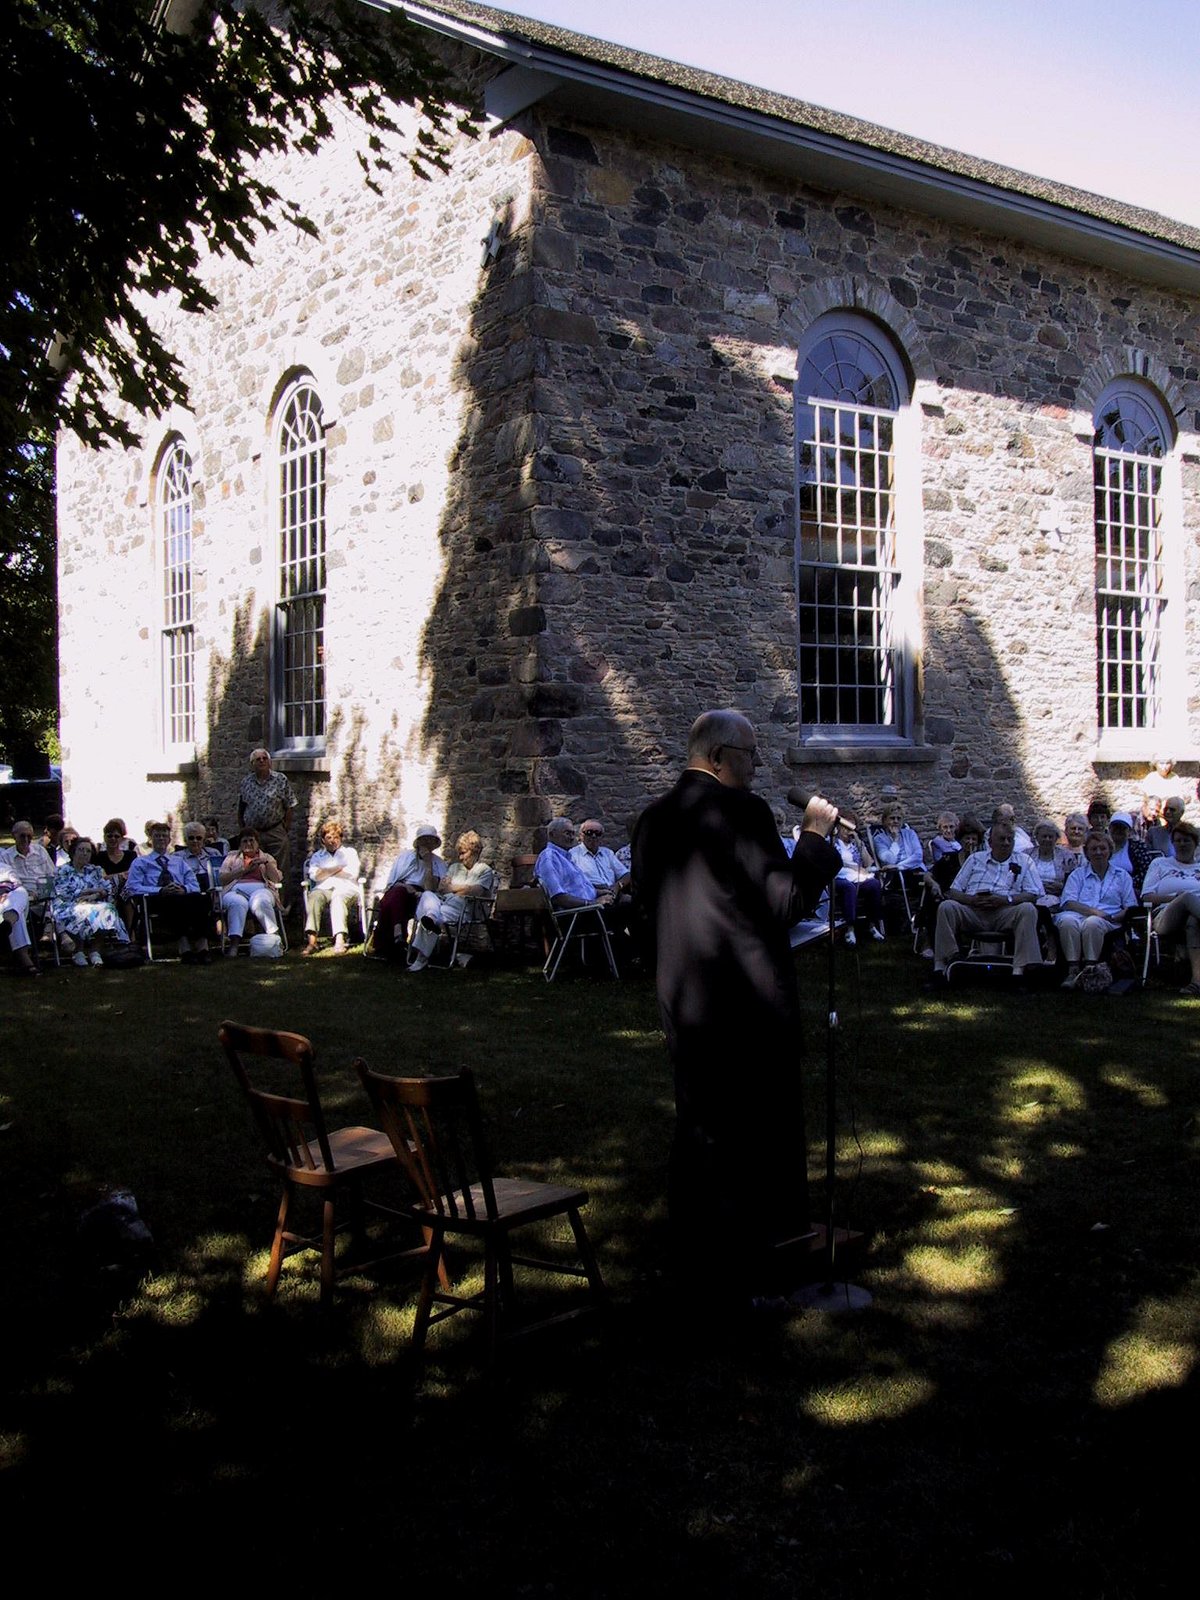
<point x="801" y="114"/>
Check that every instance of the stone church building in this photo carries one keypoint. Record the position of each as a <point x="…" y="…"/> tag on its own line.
<point x="671" y="394"/>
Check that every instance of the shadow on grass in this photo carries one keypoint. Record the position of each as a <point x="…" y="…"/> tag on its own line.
<point x="999" y="1411"/>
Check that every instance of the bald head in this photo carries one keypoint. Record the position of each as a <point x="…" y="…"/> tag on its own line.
<point x="723" y="743"/>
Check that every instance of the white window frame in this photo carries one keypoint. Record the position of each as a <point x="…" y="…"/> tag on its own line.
<point x="299" y="687"/>
<point x="1136" y="517"/>
<point x="822" y="486"/>
<point x="174" y="505"/>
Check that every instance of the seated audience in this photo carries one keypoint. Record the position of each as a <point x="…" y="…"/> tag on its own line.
<point x="1052" y="861"/>
<point x="1022" y="843"/>
<point x="625" y="853"/>
<point x="605" y="873"/>
<point x="67" y="836"/>
<point x="786" y="836"/>
<point x="994" y="891"/>
<point x="332" y="873"/>
<point x="945" y="842"/>
<point x="894" y="843"/>
<point x="52" y="827"/>
<point x="179" y="903"/>
<point x="1161" y="837"/>
<point x="447" y="905"/>
<point x="214" y="838"/>
<point x="1173" y="886"/>
<point x="29" y="863"/>
<point x="856" y="884"/>
<point x="414" y="872"/>
<point x="1096" y="900"/>
<point x="1075" y="829"/>
<point x="1099" y="814"/>
<point x="1129" y="852"/>
<point x="564" y="883"/>
<point x="84" y="905"/>
<point x="118" y="854"/>
<point x="14" y="902"/>
<point x="249" y="879"/>
<point x="940" y="876"/>
<point x="201" y="857"/>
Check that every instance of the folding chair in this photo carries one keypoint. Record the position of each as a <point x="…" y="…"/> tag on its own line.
<point x="474" y="924"/>
<point x="437" y="1133"/>
<point x="303" y="1154"/>
<point x="578" y="924"/>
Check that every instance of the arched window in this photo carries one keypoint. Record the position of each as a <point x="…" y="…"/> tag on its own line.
<point x="1133" y="436"/>
<point x="300" y="611"/>
<point x="853" y="667"/>
<point x="173" y="508"/>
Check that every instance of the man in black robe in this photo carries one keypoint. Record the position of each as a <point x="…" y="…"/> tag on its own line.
<point x="715" y="883"/>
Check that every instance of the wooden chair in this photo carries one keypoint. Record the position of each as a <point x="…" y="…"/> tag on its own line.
<point x="437" y="1132"/>
<point x="304" y="1154"/>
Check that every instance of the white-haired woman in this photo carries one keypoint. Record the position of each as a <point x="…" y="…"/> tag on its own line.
<point x="331" y="873"/>
<point x="445" y="907"/>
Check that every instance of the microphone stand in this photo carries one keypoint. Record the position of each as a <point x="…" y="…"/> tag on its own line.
<point x="831" y="1295"/>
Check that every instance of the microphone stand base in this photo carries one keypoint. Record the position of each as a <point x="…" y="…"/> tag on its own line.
<point x="835" y="1297"/>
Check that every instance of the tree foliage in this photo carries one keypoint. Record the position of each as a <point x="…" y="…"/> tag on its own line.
<point x="134" y="134"/>
<point x="131" y="149"/>
<point x="28" y="626"/>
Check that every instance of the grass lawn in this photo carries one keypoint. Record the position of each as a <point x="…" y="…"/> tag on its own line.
<point x="1002" y="1416"/>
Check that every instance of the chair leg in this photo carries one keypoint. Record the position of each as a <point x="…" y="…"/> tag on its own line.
<point x="491" y="1299"/>
<point x="435" y="1268"/>
<point x="276" y="1261"/>
<point x="587" y="1255"/>
<point x="328" y="1240"/>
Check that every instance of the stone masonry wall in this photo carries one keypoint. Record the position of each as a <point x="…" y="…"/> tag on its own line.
<point x="680" y="288"/>
<point x="408" y="339"/>
<point x="560" y="497"/>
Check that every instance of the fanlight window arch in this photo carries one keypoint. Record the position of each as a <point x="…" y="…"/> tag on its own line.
<point x="1133" y="437"/>
<point x="300" y="609"/>
<point x="173" y="507"/>
<point x="852" y="671"/>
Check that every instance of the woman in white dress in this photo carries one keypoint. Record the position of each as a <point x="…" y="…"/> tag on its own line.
<point x="83" y="904"/>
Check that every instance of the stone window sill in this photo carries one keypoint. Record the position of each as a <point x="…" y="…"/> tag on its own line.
<point x="304" y="761"/>
<point x="831" y="754"/>
<point x="172" y="774"/>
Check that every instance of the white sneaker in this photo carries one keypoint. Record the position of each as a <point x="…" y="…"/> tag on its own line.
<point x="463" y="959"/>
<point x="79" y="959"/>
<point x="878" y="935"/>
<point x="95" y="959"/>
<point x="418" y="963"/>
<point x="851" y="941"/>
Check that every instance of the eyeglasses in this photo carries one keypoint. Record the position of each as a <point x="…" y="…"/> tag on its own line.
<point x="593" y="833"/>
<point x="19" y="836"/>
<point x="750" y="750"/>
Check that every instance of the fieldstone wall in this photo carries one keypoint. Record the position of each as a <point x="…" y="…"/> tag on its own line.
<point x="558" y="392"/>
<point x="681" y="288"/>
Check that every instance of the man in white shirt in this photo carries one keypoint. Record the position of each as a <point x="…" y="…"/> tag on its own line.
<point x="993" y="892"/>
<point x="596" y="861"/>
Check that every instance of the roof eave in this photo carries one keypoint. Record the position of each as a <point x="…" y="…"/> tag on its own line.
<point x="824" y="160"/>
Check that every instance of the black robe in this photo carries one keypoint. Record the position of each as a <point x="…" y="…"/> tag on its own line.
<point x="719" y="894"/>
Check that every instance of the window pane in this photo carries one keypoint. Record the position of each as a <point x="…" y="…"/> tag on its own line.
<point x="301" y="611"/>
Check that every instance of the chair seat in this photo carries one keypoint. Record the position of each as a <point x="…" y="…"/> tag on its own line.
<point x="518" y="1201"/>
<point x="352" y="1150"/>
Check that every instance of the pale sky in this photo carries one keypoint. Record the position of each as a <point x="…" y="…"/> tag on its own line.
<point x="1103" y="97"/>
